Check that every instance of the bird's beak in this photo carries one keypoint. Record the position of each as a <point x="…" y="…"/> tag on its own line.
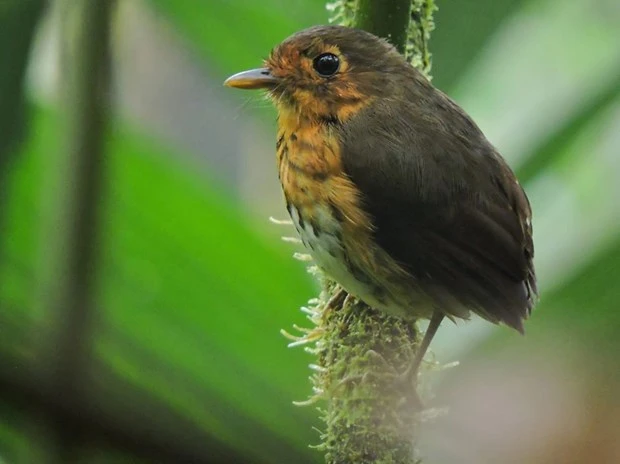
<point x="260" y="78"/>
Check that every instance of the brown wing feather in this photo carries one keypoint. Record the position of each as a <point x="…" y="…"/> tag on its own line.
<point x="444" y="204"/>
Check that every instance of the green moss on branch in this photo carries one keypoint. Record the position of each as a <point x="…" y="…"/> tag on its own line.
<point x="370" y="414"/>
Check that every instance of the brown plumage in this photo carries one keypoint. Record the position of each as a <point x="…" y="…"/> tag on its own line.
<point x="394" y="189"/>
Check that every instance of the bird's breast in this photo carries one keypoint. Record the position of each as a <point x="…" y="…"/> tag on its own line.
<point x="327" y="210"/>
<point x="313" y="180"/>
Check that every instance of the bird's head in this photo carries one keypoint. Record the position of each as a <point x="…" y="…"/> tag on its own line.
<point x="327" y="72"/>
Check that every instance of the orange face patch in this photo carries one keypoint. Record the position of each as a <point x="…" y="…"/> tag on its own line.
<point x="311" y="95"/>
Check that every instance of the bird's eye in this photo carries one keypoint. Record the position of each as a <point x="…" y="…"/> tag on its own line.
<point x="326" y="64"/>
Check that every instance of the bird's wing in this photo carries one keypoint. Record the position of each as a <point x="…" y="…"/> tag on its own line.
<point x="446" y="207"/>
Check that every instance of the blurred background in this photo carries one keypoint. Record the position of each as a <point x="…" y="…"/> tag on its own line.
<point x="142" y="292"/>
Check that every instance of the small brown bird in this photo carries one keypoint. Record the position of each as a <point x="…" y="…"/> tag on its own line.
<point x="394" y="190"/>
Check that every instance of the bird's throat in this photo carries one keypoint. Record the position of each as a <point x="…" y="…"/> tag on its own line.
<point x="306" y="149"/>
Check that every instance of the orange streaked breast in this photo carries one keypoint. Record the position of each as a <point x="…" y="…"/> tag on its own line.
<point x="326" y="208"/>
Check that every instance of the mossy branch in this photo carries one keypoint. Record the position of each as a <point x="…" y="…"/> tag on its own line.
<point x="371" y="416"/>
<point x="389" y="19"/>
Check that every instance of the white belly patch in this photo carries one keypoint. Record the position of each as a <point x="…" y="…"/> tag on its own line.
<point x="323" y="242"/>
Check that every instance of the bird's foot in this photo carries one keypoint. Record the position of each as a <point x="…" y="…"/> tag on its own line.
<point x="405" y="382"/>
<point x="349" y="300"/>
<point x="336" y="301"/>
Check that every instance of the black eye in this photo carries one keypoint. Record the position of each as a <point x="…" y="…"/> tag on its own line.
<point x="326" y="64"/>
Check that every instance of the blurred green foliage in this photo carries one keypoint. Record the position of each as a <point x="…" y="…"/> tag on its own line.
<point x="192" y="295"/>
<point x="175" y="321"/>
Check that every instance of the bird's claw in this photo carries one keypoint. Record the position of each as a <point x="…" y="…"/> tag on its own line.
<point x="337" y="299"/>
<point x="349" y="300"/>
<point x="405" y="381"/>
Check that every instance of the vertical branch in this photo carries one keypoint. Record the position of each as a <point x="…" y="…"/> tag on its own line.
<point x="18" y="22"/>
<point x="419" y="33"/>
<point x="387" y="18"/>
<point x="372" y="413"/>
<point x="76" y="174"/>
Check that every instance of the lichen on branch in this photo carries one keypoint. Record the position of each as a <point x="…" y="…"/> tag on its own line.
<point x="410" y="33"/>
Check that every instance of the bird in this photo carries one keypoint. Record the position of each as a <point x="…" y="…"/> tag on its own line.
<point x="394" y="190"/>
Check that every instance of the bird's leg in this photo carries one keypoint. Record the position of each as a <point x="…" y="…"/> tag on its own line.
<point x="433" y="325"/>
<point x="408" y="378"/>
<point x="337" y="299"/>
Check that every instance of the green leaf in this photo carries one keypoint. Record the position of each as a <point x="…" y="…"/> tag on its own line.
<point x="239" y="35"/>
<point x="550" y="150"/>
<point x="191" y="299"/>
<point x="463" y="29"/>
